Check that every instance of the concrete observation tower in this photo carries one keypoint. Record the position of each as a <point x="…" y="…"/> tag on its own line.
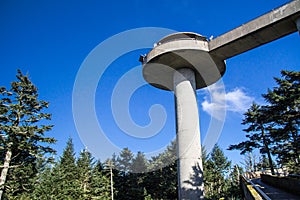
<point x="180" y="62"/>
<point x="184" y="62"/>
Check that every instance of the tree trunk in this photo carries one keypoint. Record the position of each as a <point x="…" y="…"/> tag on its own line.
<point x="268" y="151"/>
<point x="4" y="171"/>
<point x="295" y="145"/>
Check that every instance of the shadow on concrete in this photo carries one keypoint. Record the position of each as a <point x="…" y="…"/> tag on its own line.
<point x="196" y="186"/>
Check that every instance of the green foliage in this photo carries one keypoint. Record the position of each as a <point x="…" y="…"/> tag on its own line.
<point x="84" y="168"/>
<point x="258" y="132"/>
<point x="67" y="184"/>
<point x="146" y="179"/>
<point x="284" y="106"/>
<point x="122" y="180"/>
<point x="82" y="178"/>
<point x="274" y="128"/>
<point x="100" y="183"/>
<point x="69" y="179"/>
<point x="124" y="161"/>
<point x="129" y="176"/>
<point x="161" y="181"/>
<point x="45" y="187"/>
<point x="139" y="163"/>
<point x="216" y="167"/>
<point x="22" y="131"/>
<point x="234" y="190"/>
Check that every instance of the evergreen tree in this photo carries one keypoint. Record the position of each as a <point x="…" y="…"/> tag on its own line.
<point x="100" y="183"/>
<point x="84" y="167"/>
<point x="216" y="167"/>
<point x="23" y="140"/>
<point x="234" y="191"/>
<point x="257" y="135"/>
<point x="94" y="184"/>
<point x="124" y="161"/>
<point x="137" y="175"/>
<point x="284" y="106"/>
<point x="161" y="181"/>
<point x="139" y="163"/>
<point x="274" y="128"/>
<point x="45" y="187"/>
<point x="66" y="180"/>
<point x="122" y="182"/>
<point x="65" y="172"/>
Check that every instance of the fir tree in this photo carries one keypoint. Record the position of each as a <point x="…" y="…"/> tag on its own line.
<point x="284" y="106"/>
<point x="234" y="190"/>
<point x="22" y="131"/>
<point x="215" y="169"/>
<point x="161" y="181"/>
<point x="45" y="187"/>
<point x="65" y="172"/>
<point x="84" y="168"/>
<point x="122" y="179"/>
<point x="100" y="183"/>
<point x="258" y="137"/>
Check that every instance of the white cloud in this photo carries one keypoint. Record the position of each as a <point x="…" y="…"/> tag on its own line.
<point x="217" y="102"/>
<point x="238" y="101"/>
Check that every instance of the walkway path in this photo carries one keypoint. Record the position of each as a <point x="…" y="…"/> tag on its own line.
<point x="274" y="193"/>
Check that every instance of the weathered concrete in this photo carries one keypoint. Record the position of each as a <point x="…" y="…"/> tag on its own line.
<point x="269" y="27"/>
<point x="273" y="193"/>
<point x="177" y="50"/>
<point x="190" y="170"/>
<point x="249" y="191"/>
<point x="286" y="183"/>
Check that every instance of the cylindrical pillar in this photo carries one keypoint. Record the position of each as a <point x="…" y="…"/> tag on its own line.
<point x="190" y="170"/>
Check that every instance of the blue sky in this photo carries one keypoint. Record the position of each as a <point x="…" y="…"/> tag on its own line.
<point x="51" y="39"/>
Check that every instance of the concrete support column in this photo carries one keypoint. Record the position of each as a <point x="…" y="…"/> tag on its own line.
<point x="298" y="25"/>
<point x="190" y="170"/>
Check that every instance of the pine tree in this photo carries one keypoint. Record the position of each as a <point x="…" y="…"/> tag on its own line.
<point x="161" y="181"/>
<point x="234" y="191"/>
<point x="274" y="128"/>
<point x="284" y="106"/>
<point x="100" y="183"/>
<point x="22" y="131"/>
<point x="45" y="187"/>
<point x="122" y="179"/>
<point x="124" y="161"/>
<point x="258" y="137"/>
<point x="65" y="172"/>
<point x="215" y="169"/>
<point x="139" y="163"/>
<point x="84" y="168"/>
<point x="138" y="172"/>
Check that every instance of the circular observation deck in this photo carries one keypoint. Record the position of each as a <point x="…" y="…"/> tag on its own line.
<point x="181" y="50"/>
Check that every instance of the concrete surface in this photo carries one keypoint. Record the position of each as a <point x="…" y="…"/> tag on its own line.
<point x="274" y="193"/>
<point x="190" y="170"/>
<point x="177" y="50"/>
<point x="267" y="28"/>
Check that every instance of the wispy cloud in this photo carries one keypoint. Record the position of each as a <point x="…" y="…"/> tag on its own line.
<point x="238" y="101"/>
<point x="217" y="101"/>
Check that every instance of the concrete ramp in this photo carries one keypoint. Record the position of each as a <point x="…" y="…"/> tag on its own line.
<point x="264" y="29"/>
